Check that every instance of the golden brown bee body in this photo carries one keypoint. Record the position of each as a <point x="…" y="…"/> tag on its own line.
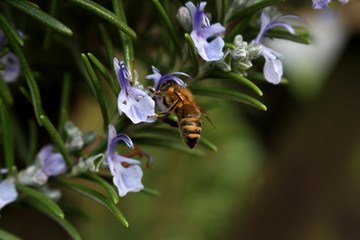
<point x="180" y="101"/>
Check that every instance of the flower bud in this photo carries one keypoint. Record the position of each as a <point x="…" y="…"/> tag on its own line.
<point x="184" y="18"/>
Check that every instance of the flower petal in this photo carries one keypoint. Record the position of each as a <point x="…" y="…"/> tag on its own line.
<point x="208" y="51"/>
<point x="125" y="179"/>
<point x="54" y="165"/>
<point x="8" y="193"/>
<point x="122" y="74"/>
<point x="44" y="153"/>
<point x="137" y="105"/>
<point x="156" y="76"/>
<point x="214" y="49"/>
<point x="129" y="180"/>
<point x="273" y="70"/>
<point x="212" y="30"/>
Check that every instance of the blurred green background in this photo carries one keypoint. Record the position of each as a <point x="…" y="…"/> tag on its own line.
<point x="292" y="172"/>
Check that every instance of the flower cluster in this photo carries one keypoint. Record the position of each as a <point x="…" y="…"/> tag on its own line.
<point x="47" y="164"/>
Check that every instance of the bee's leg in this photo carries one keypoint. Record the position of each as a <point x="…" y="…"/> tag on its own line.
<point x="164" y="116"/>
<point x="154" y="92"/>
<point x="169" y="121"/>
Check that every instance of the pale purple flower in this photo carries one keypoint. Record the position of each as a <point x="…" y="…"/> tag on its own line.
<point x="11" y="63"/>
<point x="202" y="31"/>
<point x="134" y="102"/>
<point x="126" y="172"/>
<point x="8" y="193"/>
<point x="47" y="164"/>
<point x="273" y="69"/>
<point x="160" y="79"/>
<point x="321" y="4"/>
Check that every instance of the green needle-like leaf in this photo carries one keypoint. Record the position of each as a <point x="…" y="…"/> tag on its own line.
<point x="109" y="47"/>
<point x="150" y="191"/>
<point x="5" y="92"/>
<point x="12" y="31"/>
<point x="193" y="54"/>
<point x="39" y="15"/>
<point x="206" y="143"/>
<point x="98" y="197"/>
<point x="108" y="187"/>
<point x="50" y="32"/>
<point x="5" y="235"/>
<point x="228" y="94"/>
<point x="127" y="44"/>
<point x="67" y="226"/>
<point x="38" y="196"/>
<point x="254" y="8"/>
<point x="8" y="138"/>
<point x="55" y="136"/>
<point x="302" y="38"/>
<point x="64" y="103"/>
<point x="221" y="6"/>
<point x="32" y="142"/>
<point x="97" y="87"/>
<point x="239" y="78"/>
<point x="105" y="14"/>
<point x="114" y="86"/>
<point x="167" y="23"/>
<point x="34" y="90"/>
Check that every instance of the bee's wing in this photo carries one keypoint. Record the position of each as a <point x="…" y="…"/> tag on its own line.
<point x="207" y="116"/>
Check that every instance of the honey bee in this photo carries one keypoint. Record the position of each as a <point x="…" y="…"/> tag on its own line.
<point x="180" y="101"/>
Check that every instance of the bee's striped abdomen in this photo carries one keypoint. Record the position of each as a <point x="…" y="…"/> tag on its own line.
<point x="190" y="128"/>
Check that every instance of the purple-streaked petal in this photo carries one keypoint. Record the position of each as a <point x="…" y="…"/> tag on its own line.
<point x="8" y="193"/>
<point x="155" y="76"/>
<point x="273" y="70"/>
<point x="126" y="179"/>
<point x="267" y="24"/>
<point x="159" y="79"/>
<point x="171" y="77"/>
<point x="212" y="30"/>
<point x="122" y="74"/>
<point x="192" y="8"/>
<point x="11" y="67"/>
<point x="137" y="105"/>
<point x="120" y="137"/>
<point x="54" y="165"/>
<point x="320" y="4"/>
<point x="111" y="136"/>
<point x="265" y="21"/>
<point x="202" y="30"/>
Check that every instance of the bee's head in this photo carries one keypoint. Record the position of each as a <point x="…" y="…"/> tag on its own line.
<point x="164" y="86"/>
